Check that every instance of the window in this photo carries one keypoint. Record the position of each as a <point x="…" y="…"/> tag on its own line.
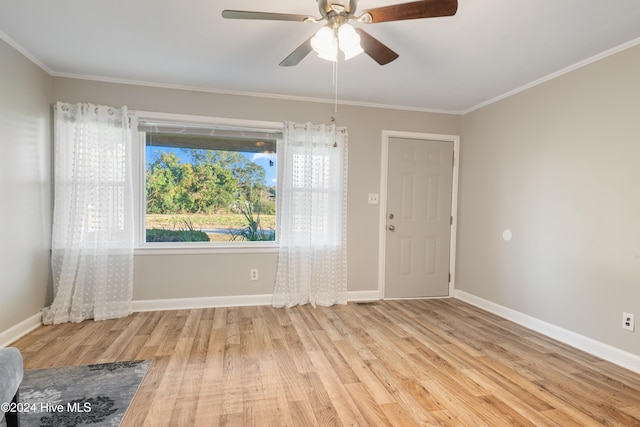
<point x="208" y="183"/>
<point x="311" y="186"/>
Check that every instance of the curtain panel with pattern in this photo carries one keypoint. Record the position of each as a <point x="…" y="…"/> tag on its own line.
<point x="312" y="212"/>
<point x="93" y="226"/>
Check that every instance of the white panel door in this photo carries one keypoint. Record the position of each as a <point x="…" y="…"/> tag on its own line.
<point x="418" y="218"/>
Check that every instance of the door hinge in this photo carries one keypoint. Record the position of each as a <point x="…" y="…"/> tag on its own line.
<point x="451" y="220"/>
<point x="449" y="277"/>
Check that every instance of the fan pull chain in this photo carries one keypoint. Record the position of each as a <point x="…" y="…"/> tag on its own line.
<point x="334" y="116"/>
<point x="335" y="101"/>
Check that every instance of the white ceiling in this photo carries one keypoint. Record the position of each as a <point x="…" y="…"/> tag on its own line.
<point x="454" y="64"/>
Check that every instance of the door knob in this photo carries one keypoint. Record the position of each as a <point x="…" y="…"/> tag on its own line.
<point x="392" y="228"/>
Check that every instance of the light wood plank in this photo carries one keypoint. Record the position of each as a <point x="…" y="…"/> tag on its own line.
<point x="438" y="362"/>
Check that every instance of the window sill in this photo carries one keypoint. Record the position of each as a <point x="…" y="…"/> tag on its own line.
<point x="195" y="249"/>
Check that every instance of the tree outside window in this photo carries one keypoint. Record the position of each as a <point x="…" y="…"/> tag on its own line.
<point x="218" y="188"/>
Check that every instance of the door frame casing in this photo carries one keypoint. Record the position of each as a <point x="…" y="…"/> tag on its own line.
<point x="384" y="174"/>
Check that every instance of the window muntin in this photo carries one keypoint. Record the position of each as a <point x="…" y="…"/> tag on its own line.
<point x="208" y="185"/>
<point x="311" y="185"/>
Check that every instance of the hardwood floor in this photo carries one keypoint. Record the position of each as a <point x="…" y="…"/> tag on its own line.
<point x="400" y="363"/>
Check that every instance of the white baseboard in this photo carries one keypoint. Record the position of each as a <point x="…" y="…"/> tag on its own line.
<point x="203" y="302"/>
<point x="356" y="296"/>
<point x="228" y="301"/>
<point x="21" y="329"/>
<point x="605" y="351"/>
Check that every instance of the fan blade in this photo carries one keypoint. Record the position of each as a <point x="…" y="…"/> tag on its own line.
<point x="297" y="55"/>
<point x="412" y="10"/>
<point x="243" y="14"/>
<point x="375" y="48"/>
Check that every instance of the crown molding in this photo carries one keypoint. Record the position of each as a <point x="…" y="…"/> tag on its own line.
<point x="566" y="70"/>
<point x="25" y="53"/>
<point x="505" y="95"/>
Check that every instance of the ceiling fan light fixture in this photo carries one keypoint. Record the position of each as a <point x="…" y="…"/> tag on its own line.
<point x="348" y="54"/>
<point x="324" y="43"/>
<point x="330" y="54"/>
<point x="347" y="36"/>
<point x="349" y="41"/>
<point x="327" y="41"/>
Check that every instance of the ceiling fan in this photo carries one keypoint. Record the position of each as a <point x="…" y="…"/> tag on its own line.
<point x="338" y="33"/>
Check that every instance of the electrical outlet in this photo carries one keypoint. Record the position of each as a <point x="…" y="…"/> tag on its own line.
<point x="373" y="198"/>
<point x="254" y="274"/>
<point x="628" y="322"/>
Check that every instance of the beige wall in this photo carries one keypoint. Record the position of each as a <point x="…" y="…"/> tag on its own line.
<point x="559" y="165"/>
<point x="25" y="190"/>
<point x="189" y="276"/>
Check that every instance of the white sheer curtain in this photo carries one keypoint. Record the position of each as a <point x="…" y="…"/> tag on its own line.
<point x="312" y="212"/>
<point x="92" y="240"/>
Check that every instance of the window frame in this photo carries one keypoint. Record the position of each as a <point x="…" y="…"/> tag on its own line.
<point x="142" y="247"/>
<point x="322" y="238"/>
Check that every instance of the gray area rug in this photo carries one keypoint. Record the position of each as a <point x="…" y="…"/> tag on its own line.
<point x="96" y="395"/>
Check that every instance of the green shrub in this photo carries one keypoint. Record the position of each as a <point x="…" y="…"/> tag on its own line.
<point x="253" y="231"/>
<point x="163" y="235"/>
<point x="183" y="231"/>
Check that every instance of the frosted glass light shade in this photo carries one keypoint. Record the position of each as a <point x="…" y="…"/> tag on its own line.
<point x="324" y="43"/>
<point x="349" y="41"/>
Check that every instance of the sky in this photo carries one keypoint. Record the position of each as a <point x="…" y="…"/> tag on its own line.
<point x="263" y="160"/>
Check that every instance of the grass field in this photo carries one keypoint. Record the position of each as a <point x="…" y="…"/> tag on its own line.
<point x="205" y="222"/>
